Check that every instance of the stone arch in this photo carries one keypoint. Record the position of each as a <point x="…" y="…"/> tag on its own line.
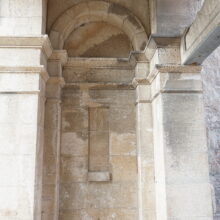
<point x="94" y="11"/>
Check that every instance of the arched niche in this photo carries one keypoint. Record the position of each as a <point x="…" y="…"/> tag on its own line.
<point x="98" y="11"/>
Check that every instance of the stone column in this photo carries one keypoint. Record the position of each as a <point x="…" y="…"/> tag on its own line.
<point x="23" y="64"/>
<point x="51" y="159"/>
<point x="182" y="185"/>
<point x="22" y="17"/>
<point x="145" y="155"/>
<point x="22" y="97"/>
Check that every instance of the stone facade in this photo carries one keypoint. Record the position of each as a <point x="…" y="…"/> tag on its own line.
<point x="102" y="110"/>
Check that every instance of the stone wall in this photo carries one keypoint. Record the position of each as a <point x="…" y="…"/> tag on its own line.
<point x="211" y="84"/>
<point x="98" y="139"/>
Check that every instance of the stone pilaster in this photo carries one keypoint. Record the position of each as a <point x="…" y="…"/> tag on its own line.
<point x="51" y="164"/>
<point x="182" y="188"/>
<point x="145" y="156"/>
<point x="23" y="77"/>
<point x="180" y="150"/>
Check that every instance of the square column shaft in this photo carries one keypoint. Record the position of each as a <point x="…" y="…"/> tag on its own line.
<point x="180" y="147"/>
<point x="22" y="17"/>
<point x="145" y="148"/>
<point x="22" y="98"/>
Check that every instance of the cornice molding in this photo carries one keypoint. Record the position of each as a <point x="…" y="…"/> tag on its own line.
<point x="172" y="69"/>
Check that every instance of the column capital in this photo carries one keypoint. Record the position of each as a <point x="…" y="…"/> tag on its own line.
<point x="175" y="79"/>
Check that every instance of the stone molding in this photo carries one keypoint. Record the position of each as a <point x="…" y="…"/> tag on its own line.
<point x="59" y="55"/>
<point x="99" y="63"/>
<point x="172" y="69"/>
<point x="102" y="85"/>
<point x="25" y="70"/>
<point x="175" y="79"/>
<point x="168" y="79"/>
<point x="34" y="42"/>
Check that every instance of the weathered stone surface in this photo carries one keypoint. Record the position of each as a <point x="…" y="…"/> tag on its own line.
<point x="99" y="152"/>
<point x="98" y="146"/>
<point x="210" y="76"/>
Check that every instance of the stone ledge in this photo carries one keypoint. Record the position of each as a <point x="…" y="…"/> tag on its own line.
<point x="39" y="42"/>
<point x="96" y="86"/>
<point x="99" y="176"/>
<point x="173" y="69"/>
<point x="99" y="63"/>
<point x="25" y="70"/>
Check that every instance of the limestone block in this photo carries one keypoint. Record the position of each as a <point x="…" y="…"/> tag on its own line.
<point x="143" y="93"/>
<point x="99" y="176"/>
<point x="115" y="97"/>
<point x="140" y="41"/>
<point x="74" y="144"/>
<point x="187" y="168"/>
<point x="98" y="75"/>
<point x="99" y="163"/>
<point x="122" y="144"/>
<point x="24" y="139"/>
<point x="148" y="196"/>
<point x="124" y="168"/>
<point x="71" y="98"/>
<point x="21" y="26"/>
<point x="131" y="26"/>
<point x="51" y="115"/>
<point x="17" y="170"/>
<point x="73" y="196"/>
<point x="149" y="214"/>
<point x="182" y="207"/>
<point x="74" y="169"/>
<point x="147" y="167"/>
<point x="75" y="120"/>
<point x="141" y="70"/>
<point x="122" y="120"/>
<point x="98" y="119"/>
<point x="49" y="178"/>
<point x="169" y="55"/>
<point x="102" y="214"/>
<point x="187" y="111"/>
<point x="50" y="165"/>
<point x="47" y="206"/>
<point x="78" y="9"/>
<point x="46" y="216"/>
<point x="48" y="191"/>
<point x="19" y="202"/>
<point x="21" y="8"/>
<point x="20" y="82"/>
<point x="20" y="57"/>
<point x="107" y="195"/>
<point x="100" y="8"/>
<point x="117" y="14"/>
<point x="50" y="139"/>
<point x="99" y="142"/>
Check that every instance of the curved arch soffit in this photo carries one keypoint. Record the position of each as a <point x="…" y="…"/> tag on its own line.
<point x="95" y="11"/>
